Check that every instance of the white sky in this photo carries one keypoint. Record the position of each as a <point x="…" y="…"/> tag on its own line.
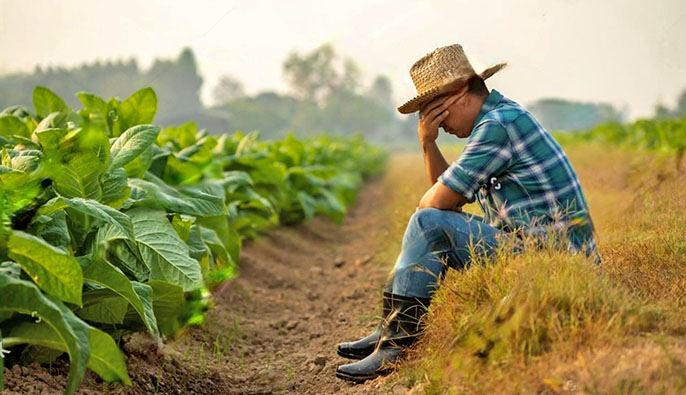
<point x="626" y="52"/>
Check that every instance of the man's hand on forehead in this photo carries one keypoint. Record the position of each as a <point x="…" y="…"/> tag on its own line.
<point x="440" y="99"/>
<point x="435" y="102"/>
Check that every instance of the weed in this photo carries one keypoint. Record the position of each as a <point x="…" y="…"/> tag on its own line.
<point x="289" y="372"/>
<point x="202" y="363"/>
<point x="218" y="349"/>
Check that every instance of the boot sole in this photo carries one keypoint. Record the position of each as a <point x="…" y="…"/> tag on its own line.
<point x="353" y="356"/>
<point x="356" y="379"/>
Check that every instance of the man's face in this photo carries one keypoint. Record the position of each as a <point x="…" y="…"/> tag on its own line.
<point x="460" y="119"/>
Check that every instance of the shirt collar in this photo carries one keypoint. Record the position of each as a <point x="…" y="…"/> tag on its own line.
<point x="490" y="103"/>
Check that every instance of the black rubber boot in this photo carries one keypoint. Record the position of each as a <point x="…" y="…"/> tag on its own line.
<point x="361" y="348"/>
<point x="400" y="329"/>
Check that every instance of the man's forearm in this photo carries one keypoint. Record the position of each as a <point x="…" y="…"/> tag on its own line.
<point x="434" y="161"/>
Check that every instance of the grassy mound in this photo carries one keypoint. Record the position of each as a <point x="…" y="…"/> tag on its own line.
<point x="548" y="322"/>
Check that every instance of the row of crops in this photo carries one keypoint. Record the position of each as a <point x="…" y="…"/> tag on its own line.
<point x="111" y="225"/>
<point x="662" y="135"/>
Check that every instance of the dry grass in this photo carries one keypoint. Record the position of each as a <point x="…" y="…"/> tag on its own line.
<point x="547" y="322"/>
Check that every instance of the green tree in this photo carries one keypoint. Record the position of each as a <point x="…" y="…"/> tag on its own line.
<point x="315" y="75"/>
<point x="662" y="111"/>
<point x="176" y="81"/>
<point x="681" y="104"/>
<point x="561" y="114"/>
<point x="228" y="88"/>
<point x="381" y="90"/>
<point x="177" y="84"/>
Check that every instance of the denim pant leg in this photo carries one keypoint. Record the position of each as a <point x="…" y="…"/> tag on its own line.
<point x="434" y="240"/>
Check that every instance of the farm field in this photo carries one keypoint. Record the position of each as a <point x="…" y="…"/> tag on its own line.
<point x="110" y="225"/>
<point x="303" y="289"/>
<point x="225" y="198"/>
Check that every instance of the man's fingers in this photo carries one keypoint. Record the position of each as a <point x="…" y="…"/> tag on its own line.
<point x="437" y="105"/>
<point x="437" y="121"/>
<point x="442" y="107"/>
<point x="431" y="105"/>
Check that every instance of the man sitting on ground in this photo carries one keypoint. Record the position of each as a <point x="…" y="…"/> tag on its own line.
<point x="511" y="166"/>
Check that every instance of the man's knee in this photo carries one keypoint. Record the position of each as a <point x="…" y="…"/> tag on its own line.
<point x="434" y="218"/>
<point x="426" y="217"/>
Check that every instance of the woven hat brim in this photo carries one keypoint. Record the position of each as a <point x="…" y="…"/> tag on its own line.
<point x="416" y="102"/>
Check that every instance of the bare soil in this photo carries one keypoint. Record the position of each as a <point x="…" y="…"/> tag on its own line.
<point x="273" y="329"/>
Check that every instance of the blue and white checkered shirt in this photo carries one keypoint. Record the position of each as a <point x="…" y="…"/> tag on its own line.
<point x="520" y="176"/>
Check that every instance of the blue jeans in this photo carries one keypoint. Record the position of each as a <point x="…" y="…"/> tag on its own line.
<point x="435" y="240"/>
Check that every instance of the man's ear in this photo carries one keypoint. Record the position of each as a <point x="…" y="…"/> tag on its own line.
<point x="464" y="101"/>
<point x="464" y="97"/>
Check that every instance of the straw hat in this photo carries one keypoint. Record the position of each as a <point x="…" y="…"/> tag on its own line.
<point x="444" y="70"/>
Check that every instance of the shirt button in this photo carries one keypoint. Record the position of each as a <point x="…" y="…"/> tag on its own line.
<point x="496" y="185"/>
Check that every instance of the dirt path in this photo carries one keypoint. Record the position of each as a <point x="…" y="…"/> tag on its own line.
<point x="273" y="329"/>
<point x="300" y="292"/>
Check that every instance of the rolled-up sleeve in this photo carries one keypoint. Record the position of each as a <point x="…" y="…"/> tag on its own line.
<point x="488" y="153"/>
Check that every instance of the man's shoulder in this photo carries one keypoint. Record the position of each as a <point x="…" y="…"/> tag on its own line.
<point x="514" y="118"/>
<point x="505" y="111"/>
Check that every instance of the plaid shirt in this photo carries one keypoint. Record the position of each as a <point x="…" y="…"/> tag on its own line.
<point x="520" y="176"/>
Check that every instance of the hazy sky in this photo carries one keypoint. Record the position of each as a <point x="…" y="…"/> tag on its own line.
<point x="626" y="52"/>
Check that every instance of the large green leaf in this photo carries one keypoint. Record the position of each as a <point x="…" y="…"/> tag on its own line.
<point x="139" y="108"/>
<point x="229" y="237"/>
<point x="215" y="245"/>
<point x="46" y="101"/>
<point x="182" y="171"/>
<point x="24" y="160"/>
<point x="115" y="188"/>
<point x="106" y="359"/>
<point x="94" y="209"/>
<point x="131" y="144"/>
<point x="249" y="199"/>
<point x="104" y="310"/>
<point x="331" y="206"/>
<point x="180" y="136"/>
<point x="99" y="271"/>
<point x="235" y="179"/>
<point x="80" y="177"/>
<point x="122" y="253"/>
<point x="158" y="164"/>
<point x="197" y="249"/>
<point x="54" y="230"/>
<point x="13" y="126"/>
<point x="144" y="292"/>
<point x="49" y="138"/>
<point x="182" y="225"/>
<point x="307" y="203"/>
<point x="140" y="164"/>
<point x="17" y="193"/>
<point x="163" y="251"/>
<point x="24" y="297"/>
<point x="93" y="104"/>
<point x="52" y="121"/>
<point x="203" y="200"/>
<point x="168" y="304"/>
<point x="55" y="271"/>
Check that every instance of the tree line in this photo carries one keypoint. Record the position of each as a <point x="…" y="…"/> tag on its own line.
<point x="325" y="94"/>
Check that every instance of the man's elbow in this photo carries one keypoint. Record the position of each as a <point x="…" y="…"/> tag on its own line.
<point x="442" y="198"/>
